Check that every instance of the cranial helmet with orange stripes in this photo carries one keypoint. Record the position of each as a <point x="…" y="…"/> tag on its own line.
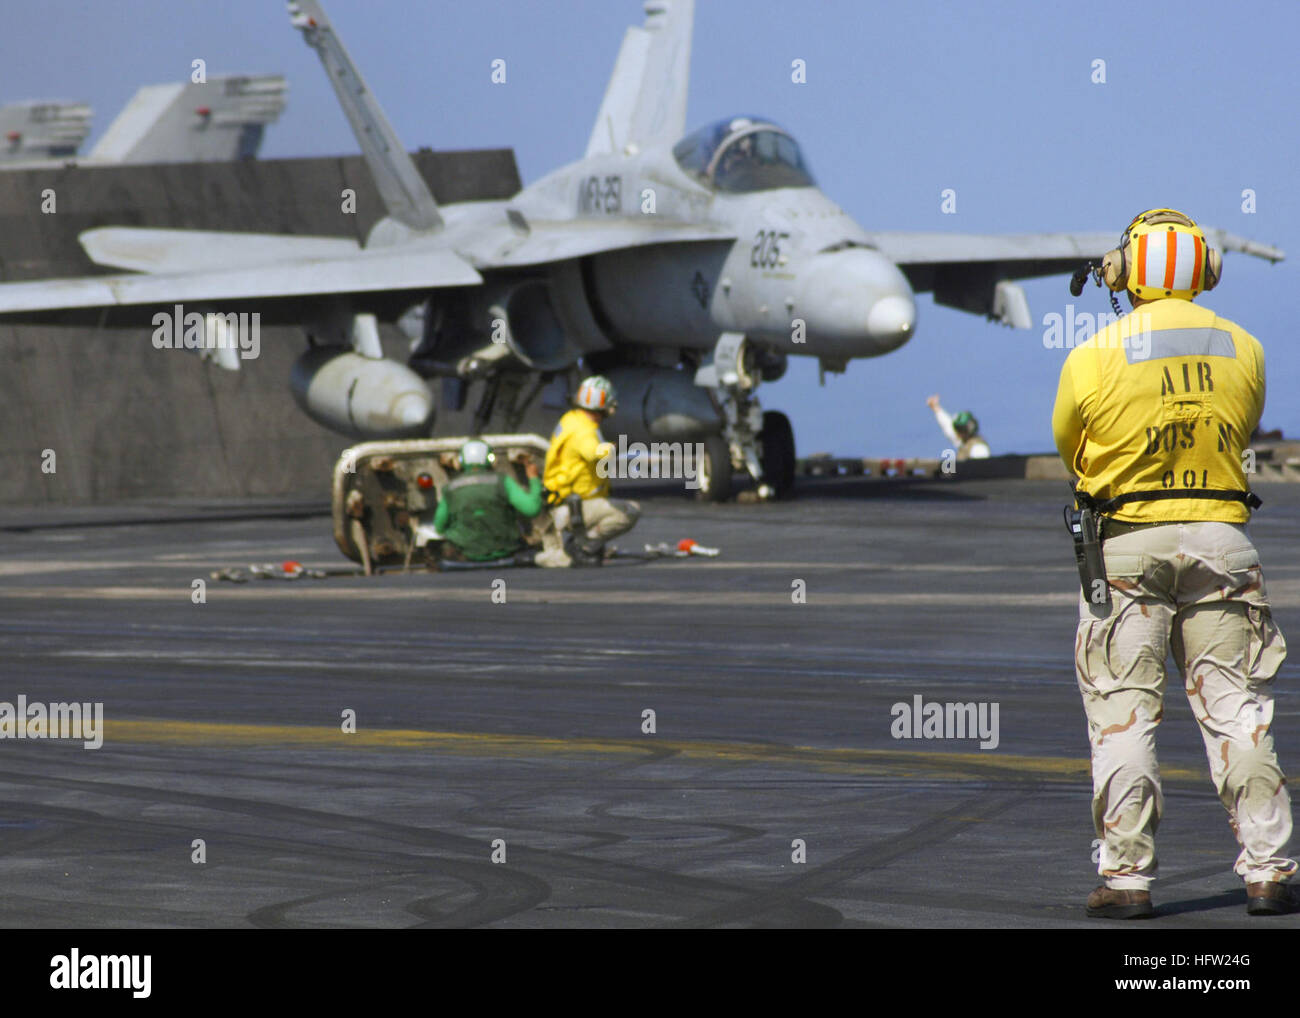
<point x="1162" y="254"/>
<point x="597" y="393"/>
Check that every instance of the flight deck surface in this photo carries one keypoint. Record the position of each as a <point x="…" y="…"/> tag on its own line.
<point x="506" y="721"/>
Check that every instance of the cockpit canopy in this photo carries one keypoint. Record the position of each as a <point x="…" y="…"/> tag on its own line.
<point x="743" y="154"/>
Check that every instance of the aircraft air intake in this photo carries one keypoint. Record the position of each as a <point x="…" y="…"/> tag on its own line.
<point x="531" y="328"/>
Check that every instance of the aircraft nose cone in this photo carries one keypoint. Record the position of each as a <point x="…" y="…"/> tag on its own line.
<point x="892" y="318"/>
<point x="857" y="303"/>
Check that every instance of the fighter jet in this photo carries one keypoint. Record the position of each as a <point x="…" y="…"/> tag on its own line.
<point x="220" y="119"/>
<point x="686" y="266"/>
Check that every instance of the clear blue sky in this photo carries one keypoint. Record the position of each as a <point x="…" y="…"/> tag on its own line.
<point x="993" y="100"/>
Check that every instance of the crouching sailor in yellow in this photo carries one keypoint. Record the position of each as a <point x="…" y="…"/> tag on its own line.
<point x="1153" y="415"/>
<point x="577" y="490"/>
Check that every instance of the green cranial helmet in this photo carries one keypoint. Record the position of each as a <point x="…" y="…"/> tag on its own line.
<point x="965" y="423"/>
<point x="476" y="453"/>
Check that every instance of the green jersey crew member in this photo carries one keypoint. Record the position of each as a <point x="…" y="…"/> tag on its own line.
<point x="479" y="511"/>
<point x="1153" y="414"/>
<point x="576" y="448"/>
<point x="963" y="431"/>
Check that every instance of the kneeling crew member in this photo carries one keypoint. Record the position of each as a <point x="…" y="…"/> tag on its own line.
<point x="1152" y="415"/>
<point x="480" y="510"/>
<point x="571" y="469"/>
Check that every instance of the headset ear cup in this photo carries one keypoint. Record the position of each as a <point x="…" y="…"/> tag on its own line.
<point x="1114" y="270"/>
<point x="1213" y="268"/>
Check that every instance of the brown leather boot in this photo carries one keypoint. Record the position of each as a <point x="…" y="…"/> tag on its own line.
<point x="1271" y="898"/>
<point x="1108" y="903"/>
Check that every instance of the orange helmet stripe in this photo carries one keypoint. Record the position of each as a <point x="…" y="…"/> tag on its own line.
<point x="1142" y="260"/>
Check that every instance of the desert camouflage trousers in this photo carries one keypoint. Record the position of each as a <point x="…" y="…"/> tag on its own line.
<point x="603" y="518"/>
<point x="1196" y="590"/>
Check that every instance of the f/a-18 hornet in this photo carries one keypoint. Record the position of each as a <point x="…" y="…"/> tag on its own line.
<point x="685" y="266"/>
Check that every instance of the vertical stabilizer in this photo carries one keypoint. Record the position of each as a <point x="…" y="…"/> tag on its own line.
<point x="399" y="183"/>
<point x="219" y="120"/>
<point x="645" y="101"/>
<point x="42" y="130"/>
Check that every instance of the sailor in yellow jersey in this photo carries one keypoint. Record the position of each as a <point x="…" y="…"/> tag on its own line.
<point x="1153" y="415"/>
<point x="571" y="470"/>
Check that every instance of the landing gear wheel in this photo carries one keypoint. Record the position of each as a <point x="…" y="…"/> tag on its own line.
<point x="776" y="452"/>
<point x="715" y="470"/>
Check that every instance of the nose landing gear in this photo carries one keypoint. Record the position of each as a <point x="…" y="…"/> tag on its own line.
<point x="761" y="443"/>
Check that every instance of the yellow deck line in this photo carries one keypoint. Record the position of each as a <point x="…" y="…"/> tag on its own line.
<point x="901" y="762"/>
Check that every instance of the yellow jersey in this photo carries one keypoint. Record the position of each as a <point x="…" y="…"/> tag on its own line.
<point x="1164" y="399"/>
<point x="576" y="447"/>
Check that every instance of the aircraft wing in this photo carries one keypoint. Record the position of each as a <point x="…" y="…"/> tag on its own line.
<point x="541" y="242"/>
<point x="275" y="278"/>
<point x="284" y="276"/>
<point x="971" y="271"/>
<point x="182" y="251"/>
